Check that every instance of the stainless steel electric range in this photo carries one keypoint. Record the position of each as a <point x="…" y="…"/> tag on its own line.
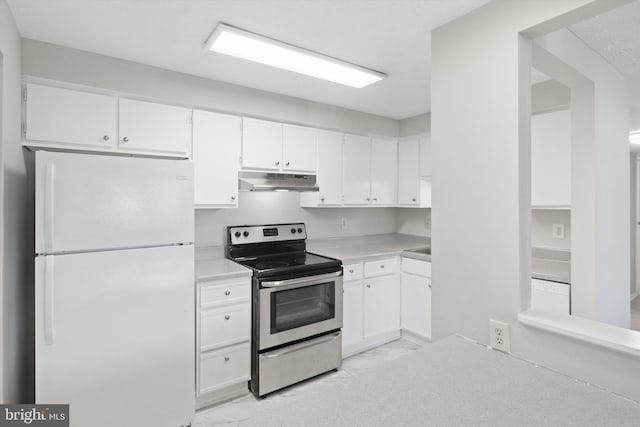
<point x="296" y="305"/>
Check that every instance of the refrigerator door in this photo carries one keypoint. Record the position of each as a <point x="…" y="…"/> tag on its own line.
<point x="115" y="336"/>
<point x="89" y="202"/>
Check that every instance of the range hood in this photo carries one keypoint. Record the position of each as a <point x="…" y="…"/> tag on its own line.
<point x="264" y="181"/>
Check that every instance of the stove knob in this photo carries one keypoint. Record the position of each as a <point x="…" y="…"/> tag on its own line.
<point x="245" y="234"/>
<point x="299" y="230"/>
<point x="293" y="231"/>
<point x="238" y="234"/>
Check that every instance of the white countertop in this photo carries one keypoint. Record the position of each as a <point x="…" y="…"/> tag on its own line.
<point x="212" y="265"/>
<point x="354" y="249"/>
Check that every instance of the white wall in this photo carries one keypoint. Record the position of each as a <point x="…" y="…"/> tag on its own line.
<point x="284" y="207"/>
<point x="549" y="96"/>
<point x="17" y="311"/>
<point x="415" y="125"/>
<point x="481" y="258"/>
<point x="84" y="68"/>
<point x="415" y="221"/>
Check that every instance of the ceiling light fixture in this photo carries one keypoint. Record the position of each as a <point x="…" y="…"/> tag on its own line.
<point x="634" y="137"/>
<point x="253" y="47"/>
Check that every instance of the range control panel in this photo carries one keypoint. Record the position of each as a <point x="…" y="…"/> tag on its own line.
<point x="267" y="233"/>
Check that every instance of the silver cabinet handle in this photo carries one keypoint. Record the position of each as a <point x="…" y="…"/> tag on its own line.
<point x="227" y="317"/>
<point x="233" y="197"/>
<point x="375" y="199"/>
<point x="277" y="163"/>
<point x="322" y="199"/>
<point x="125" y="139"/>
<point x="429" y="285"/>
<point x="351" y="270"/>
<point x="413" y="200"/>
<point x="368" y="286"/>
<point x="226" y="358"/>
<point x="381" y="265"/>
<point x="287" y="164"/>
<point x="106" y="137"/>
<point x="227" y="293"/>
<point x="367" y="199"/>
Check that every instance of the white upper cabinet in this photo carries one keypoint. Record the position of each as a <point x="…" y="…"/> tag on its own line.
<point x="298" y="148"/>
<point x="329" y="175"/>
<point x="261" y="144"/>
<point x="384" y="171"/>
<point x="551" y="160"/>
<point x="356" y="170"/>
<point x="425" y="156"/>
<point x="70" y="118"/>
<point x="408" y="174"/>
<point x="147" y="127"/>
<point x="216" y="159"/>
<point x="414" y="174"/>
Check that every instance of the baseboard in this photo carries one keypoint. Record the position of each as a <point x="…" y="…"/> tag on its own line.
<point x="415" y="338"/>
<point x="369" y="343"/>
<point x="223" y="395"/>
<point x="635" y="295"/>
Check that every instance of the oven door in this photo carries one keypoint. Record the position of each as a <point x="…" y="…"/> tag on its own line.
<point x="299" y="308"/>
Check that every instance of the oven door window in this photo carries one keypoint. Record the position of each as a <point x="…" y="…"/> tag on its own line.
<point x="293" y="308"/>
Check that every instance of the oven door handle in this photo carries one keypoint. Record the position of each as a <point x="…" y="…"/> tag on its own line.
<point x="301" y="281"/>
<point x="302" y="345"/>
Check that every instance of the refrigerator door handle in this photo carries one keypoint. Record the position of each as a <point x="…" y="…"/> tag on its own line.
<point x="49" y="332"/>
<point x="48" y="207"/>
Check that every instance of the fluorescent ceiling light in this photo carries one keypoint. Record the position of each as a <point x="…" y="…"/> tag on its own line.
<point x="243" y="44"/>
<point x="634" y="137"/>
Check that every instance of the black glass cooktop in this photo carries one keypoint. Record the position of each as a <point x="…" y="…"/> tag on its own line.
<point x="297" y="260"/>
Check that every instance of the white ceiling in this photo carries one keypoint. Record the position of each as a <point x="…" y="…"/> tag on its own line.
<point x="615" y="35"/>
<point x="392" y="36"/>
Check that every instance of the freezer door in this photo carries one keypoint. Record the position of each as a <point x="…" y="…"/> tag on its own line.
<point x="115" y="336"/>
<point x="92" y="202"/>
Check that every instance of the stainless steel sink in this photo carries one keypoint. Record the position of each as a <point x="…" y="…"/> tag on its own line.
<point x="424" y="251"/>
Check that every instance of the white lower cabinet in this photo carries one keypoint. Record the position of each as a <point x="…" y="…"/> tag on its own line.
<point x="416" y="299"/>
<point x="223" y="334"/>
<point x="371" y="305"/>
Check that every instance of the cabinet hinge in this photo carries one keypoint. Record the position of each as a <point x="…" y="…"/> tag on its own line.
<point x="24" y="94"/>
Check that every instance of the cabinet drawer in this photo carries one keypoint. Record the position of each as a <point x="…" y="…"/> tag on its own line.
<point x="225" y="293"/>
<point x="380" y="268"/>
<point x="417" y="267"/>
<point x="352" y="271"/>
<point x="225" y="326"/>
<point x="222" y="368"/>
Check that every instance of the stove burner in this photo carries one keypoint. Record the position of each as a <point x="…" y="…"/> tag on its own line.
<point x="265" y="265"/>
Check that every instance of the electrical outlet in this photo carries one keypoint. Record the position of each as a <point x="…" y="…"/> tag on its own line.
<point x="499" y="335"/>
<point x="558" y="231"/>
<point x="343" y="223"/>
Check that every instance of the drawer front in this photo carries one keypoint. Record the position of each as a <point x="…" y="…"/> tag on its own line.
<point x="352" y="271"/>
<point x="417" y="267"/>
<point x="381" y="267"/>
<point x="225" y="326"/>
<point x="223" y="368"/>
<point x="225" y="293"/>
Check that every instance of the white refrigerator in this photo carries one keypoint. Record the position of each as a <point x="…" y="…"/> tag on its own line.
<point x="114" y="277"/>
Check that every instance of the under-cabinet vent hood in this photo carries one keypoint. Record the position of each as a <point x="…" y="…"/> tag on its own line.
<point x="263" y="181"/>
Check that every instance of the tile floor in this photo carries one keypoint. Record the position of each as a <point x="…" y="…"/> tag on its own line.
<point x="243" y="408"/>
<point x="635" y="314"/>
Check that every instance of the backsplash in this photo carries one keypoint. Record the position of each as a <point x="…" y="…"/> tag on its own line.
<point x="282" y="207"/>
<point x="414" y="221"/>
<point x="542" y="221"/>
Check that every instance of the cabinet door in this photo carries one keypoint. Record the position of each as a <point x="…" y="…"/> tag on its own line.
<point x="425" y="156"/>
<point x="330" y="167"/>
<point x="65" y="116"/>
<point x="147" y="127"/>
<point x="381" y="306"/>
<point x="551" y="159"/>
<point x="384" y="171"/>
<point x="408" y="175"/>
<point x="356" y="170"/>
<point x="298" y="148"/>
<point x="261" y="144"/>
<point x="216" y="157"/>
<point x="352" y="315"/>
<point x="416" y="305"/>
